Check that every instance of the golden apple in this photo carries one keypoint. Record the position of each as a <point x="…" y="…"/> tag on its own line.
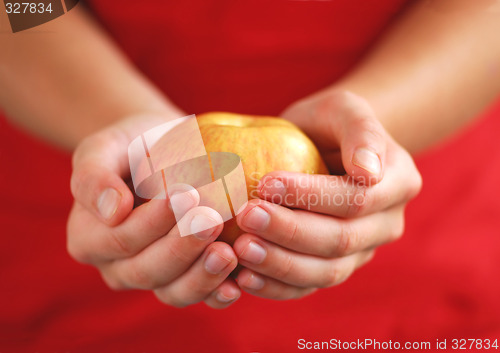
<point x="264" y="144"/>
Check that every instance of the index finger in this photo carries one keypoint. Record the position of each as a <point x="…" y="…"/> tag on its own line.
<point x="342" y="196"/>
<point x="91" y="241"/>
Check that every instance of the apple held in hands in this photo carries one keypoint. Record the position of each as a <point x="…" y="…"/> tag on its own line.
<point x="182" y="158"/>
<point x="264" y="144"/>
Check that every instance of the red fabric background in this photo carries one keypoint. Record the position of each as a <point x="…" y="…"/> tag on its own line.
<point x="439" y="281"/>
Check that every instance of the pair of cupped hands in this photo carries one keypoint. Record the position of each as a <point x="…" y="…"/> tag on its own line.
<point x="289" y="249"/>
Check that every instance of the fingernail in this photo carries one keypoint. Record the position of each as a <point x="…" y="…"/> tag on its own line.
<point x="274" y="190"/>
<point x="257" y="219"/>
<point x="367" y="160"/>
<point x="254" y="253"/>
<point x="254" y="282"/>
<point x="181" y="202"/>
<point x="223" y="299"/>
<point x="215" y="264"/>
<point x="108" y="202"/>
<point x="202" y="226"/>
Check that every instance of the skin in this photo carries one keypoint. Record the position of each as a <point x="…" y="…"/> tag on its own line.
<point x="310" y="245"/>
<point x="396" y="97"/>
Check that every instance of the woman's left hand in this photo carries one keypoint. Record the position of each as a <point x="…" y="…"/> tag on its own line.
<point x="312" y="231"/>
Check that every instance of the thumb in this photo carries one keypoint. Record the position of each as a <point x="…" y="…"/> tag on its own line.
<point x="101" y="166"/>
<point x="362" y="138"/>
<point x="100" y="163"/>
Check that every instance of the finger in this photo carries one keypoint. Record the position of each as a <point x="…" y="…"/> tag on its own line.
<point x="99" y="165"/>
<point x="224" y="295"/>
<point x="91" y="241"/>
<point x="269" y="288"/>
<point x="295" y="268"/>
<point x="168" y="257"/>
<point x="342" y="196"/>
<point x="361" y="136"/>
<point x="206" y="274"/>
<point x="341" y="119"/>
<point x="317" y="234"/>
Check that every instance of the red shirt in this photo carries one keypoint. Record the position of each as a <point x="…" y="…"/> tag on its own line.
<point x="253" y="56"/>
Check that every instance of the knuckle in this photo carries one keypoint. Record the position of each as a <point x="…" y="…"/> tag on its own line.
<point x="358" y="108"/>
<point x="331" y="277"/>
<point x="198" y="290"/>
<point x="73" y="247"/>
<point x="334" y="275"/>
<point x="285" y="267"/>
<point x="303" y="293"/>
<point x="78" y="178"/>
<point x="413" y="178"/>
<point x="177" y="255"/>
<point x="398" y="228"/>
<point x="81" y="170"/>
<point x="287" y="294"/>
<point x="372" y="128"/>
<point x="113" y="283"/>
<point x="77" y="253"/>
<point x="338" y="98"/>
<point x="140" y="278"/>
<point x="167" y="298"/>
<point x="304" y="191"/>
<point x="357" y="205"/>
<point x="278" y="296"/>
<point x="79" y="151"/>
<point x="370" y="256"/>
<point x="153" y="225"/>
<point x="291" y="230"/>
<point x="415" y="185"/>
<point x="326" y="105"/>
<point x="348" y="240"/>
<point x="382" y="197"/>
<point x="119" y="242"/>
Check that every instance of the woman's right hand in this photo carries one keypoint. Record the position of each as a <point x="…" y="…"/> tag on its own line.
<point x="141" y="247"/>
